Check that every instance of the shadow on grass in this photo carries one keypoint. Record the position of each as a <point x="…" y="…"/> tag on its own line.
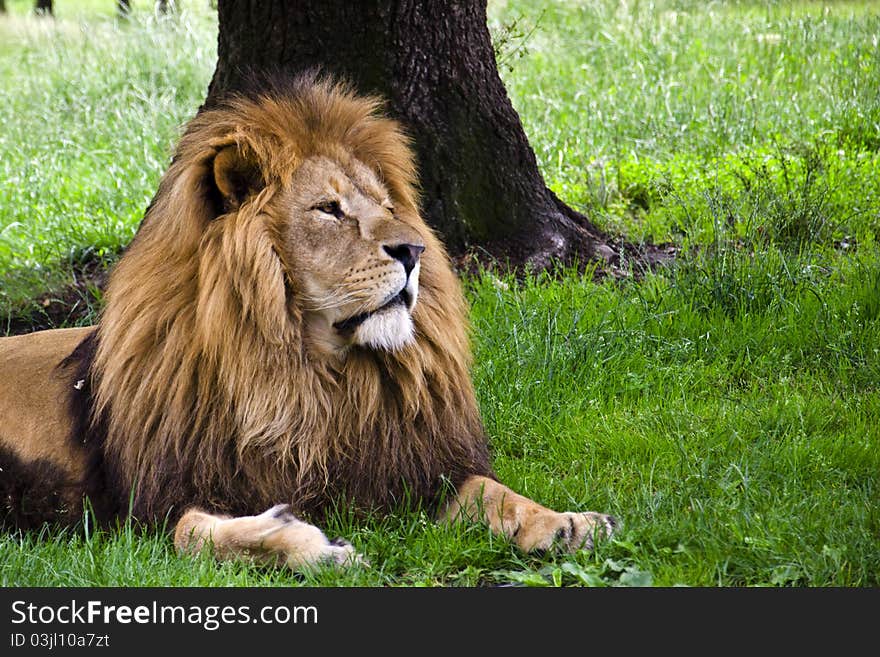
<point x="74" y="294"/>
<point x="72" y="297"/>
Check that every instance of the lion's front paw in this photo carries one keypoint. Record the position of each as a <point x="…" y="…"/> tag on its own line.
<point x="568" y="531"/>
<point x="342" y="553"/>
<point x="302" y="544"/>
<point x="273" y="537"/>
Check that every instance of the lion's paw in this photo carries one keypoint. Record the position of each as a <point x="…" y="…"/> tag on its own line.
<point x="343" y="554"/>
<point x="333" y="553"/>
<point x="306" y="545"/>
<point x="301" y="544"/>
<point x="566" y="531"/>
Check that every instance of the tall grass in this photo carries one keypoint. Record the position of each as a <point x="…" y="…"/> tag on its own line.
<point x="91" y="111"/>
<point x="724" y="408"/>
<point x="666" y="98"/>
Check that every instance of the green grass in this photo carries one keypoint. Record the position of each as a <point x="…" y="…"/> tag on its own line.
<point x="725" y="409"/>
<point x="91" y="111"/>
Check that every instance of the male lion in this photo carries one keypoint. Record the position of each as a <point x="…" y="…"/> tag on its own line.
<point x="283" y="331"/>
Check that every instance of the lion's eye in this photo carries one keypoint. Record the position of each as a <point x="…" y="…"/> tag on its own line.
<point x="330" y="207"/>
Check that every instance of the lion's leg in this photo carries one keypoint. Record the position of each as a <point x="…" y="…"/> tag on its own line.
<point x="530" y="525"/>
<point x="275" y="537"/>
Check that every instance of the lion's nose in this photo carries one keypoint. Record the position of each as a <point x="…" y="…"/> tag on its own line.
<point x="406" y="254"/>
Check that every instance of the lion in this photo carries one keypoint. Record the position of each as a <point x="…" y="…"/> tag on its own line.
<point x="283" y="332"/>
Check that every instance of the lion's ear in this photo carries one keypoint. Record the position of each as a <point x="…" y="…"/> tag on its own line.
<point x="237" y="175"/>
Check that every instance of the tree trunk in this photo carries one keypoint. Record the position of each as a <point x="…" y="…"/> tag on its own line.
<point x="433" y="60"/>
<point x="123" y="8"/>
<point x="43" y="8"/>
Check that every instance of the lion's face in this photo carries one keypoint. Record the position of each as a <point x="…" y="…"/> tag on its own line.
<point x="353" y="258"/>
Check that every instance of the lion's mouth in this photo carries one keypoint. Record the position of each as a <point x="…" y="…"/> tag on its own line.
<point x="347" y="325"/>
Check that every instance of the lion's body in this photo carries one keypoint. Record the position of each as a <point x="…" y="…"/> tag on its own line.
<point x="284" y="327"/>
<point x="41" y="469"/>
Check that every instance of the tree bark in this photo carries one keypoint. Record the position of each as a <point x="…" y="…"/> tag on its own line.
<point x="434" y="63"/>
<point x="123" y="8"/>
<point x="43" y="7"/>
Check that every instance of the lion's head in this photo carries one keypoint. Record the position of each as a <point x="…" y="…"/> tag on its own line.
<point x="349" y="245"/>
<point x="284" y="323"/>
<point x="353" y="254"/>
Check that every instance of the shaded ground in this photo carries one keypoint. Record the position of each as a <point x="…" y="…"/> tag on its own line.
<point x="69" y="305"/>
<point x="613" y="257"/>
<point x="76" y="303"/>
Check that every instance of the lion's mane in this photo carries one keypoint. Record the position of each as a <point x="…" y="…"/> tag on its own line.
<point x="198" y="386"/>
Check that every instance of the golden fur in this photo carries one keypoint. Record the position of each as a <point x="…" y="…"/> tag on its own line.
<point x="199" y="309"/>
<point x="218" y="378"/>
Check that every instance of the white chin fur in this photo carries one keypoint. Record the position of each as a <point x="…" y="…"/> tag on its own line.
<point x="389" y="330"/>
